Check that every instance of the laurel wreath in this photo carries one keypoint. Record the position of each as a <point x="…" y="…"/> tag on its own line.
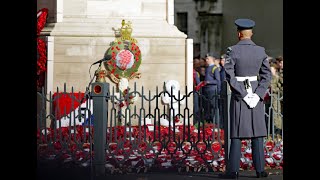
<point x="115" y="48"/>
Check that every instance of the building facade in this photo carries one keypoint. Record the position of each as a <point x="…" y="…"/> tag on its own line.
<point x="210" y="23"/>
<point x="200" y="20"/>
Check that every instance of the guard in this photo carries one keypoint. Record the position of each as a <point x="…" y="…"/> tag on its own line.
<point x="248" y="74"/>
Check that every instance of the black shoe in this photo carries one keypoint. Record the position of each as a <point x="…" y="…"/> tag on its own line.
<point x="230" y="175"/>
<point x="262" y="174"/>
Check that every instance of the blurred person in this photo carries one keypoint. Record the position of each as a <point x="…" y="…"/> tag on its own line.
<point x="196" y="81"/>
<point x="212" y="87"/>
<point x="267" y="97"/>
<point x="222" y="78"/>
<point x="279" y="62"/>
<point x="203" y="62"/>
<point x="277" y="93"/>
<point x="222" y="69"/>
<point x="217" y="64"/>
<point x="202" y="72"/>
<point x="196" y="64"/>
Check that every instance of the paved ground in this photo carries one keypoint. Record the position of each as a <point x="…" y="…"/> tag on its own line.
<point x="45" y="172"/>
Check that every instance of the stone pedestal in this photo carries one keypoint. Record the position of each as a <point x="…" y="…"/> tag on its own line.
<point x="81" y="32"/>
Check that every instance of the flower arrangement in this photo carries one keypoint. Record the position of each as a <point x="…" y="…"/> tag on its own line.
<point x="202" y="155"/>
<point x="123" y="84"/>
<point x="125" y="54"/>
<point x="125" y="61"/>
<point x="123" y="100"/>
<point x="41" y="47"/>
<point x="123" y="92"/>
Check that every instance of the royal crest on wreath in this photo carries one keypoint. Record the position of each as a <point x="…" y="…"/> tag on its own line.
<point x="125" y="53"/>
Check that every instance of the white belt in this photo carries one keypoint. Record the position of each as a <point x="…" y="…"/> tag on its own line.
<point x="243" y="78"/>
<point x="250" y="78"/>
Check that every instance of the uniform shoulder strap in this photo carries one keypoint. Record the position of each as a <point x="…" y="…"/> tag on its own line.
<point x="214" y="68"/>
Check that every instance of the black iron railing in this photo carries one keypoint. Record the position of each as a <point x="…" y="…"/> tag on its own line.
<point x="140" y="131"/>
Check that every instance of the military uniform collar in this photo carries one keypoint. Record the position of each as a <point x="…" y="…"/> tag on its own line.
<point x="246" y="41"/>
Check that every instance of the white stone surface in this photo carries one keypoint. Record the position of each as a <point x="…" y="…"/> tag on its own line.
<point x="170" y="12"/>
<point x="59" y="15"/>
<point x="50" y="63"/>
<point x="84" y="32"/>
<point x="88" y="27"/>
<point x="155" y="9"/>
<point x="189" y="64"/>
<point x="119" y="8"/>
<point x="162" y="59"/>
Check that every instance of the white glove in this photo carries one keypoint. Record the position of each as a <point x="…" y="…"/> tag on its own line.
<point x="254" y="100"/>
<point x="247" y="99"/>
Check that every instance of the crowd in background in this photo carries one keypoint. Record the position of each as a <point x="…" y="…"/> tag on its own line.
<point x="274" y="98"/>
<point x="210" y="73"/>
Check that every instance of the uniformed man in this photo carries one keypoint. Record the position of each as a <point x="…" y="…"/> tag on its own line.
<point x="212" y="87"/>
<point x="222" y="75"/>
<point x="248" y="74"/>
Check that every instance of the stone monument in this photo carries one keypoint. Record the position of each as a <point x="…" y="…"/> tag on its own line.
<point x="79" y="32"/>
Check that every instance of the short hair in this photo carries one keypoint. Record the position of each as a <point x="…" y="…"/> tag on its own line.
<point x="279" y="59"/>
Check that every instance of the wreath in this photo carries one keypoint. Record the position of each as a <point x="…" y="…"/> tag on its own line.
<point x="125" y="61"/>
<point x="42" y="15"/>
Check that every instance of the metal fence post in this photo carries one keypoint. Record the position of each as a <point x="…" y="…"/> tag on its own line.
<point x="100" y="91"/>
<point x="226" y="93"/>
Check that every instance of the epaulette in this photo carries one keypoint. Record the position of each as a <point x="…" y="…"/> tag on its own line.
<point x="229" y="49"/>
<point x="213" y="69"/>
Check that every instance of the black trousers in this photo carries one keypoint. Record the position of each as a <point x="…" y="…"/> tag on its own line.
<point x="196" y="109"/>
<point x="257" y="154"/>
<point x="209" y="102"/>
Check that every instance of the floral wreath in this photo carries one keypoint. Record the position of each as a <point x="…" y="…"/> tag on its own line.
<point x="125" y="55"/>
<point x="42" y="15"/>
<point x="125" y="61"/>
